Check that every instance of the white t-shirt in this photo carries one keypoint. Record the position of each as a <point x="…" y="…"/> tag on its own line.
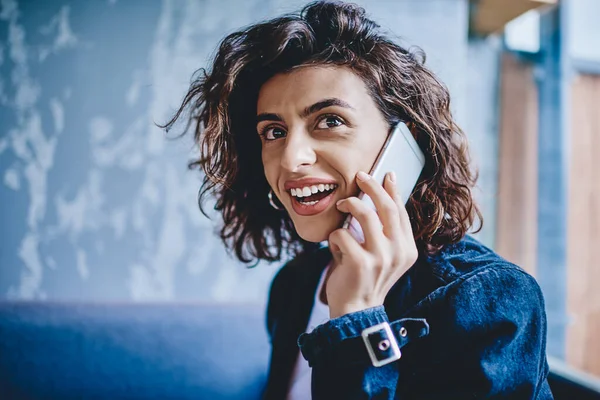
<point x="301" y="377"/>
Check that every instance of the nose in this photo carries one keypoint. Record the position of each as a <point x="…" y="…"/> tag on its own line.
<point x="299" y="151"/>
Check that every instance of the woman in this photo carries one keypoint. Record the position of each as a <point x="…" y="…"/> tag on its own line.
<point x="289" y="120"/>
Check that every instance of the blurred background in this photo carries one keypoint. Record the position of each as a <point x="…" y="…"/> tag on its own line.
<point x="97" y="205"/>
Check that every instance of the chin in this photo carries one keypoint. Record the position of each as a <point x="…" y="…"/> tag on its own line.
<point x="316" y="231"/>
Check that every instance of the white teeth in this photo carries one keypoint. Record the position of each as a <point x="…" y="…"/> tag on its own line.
<point x="311" y="203"/>
<point x="310" y="190"/>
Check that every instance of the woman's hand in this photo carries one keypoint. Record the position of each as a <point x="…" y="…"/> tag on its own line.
<point x="363" y="274"/>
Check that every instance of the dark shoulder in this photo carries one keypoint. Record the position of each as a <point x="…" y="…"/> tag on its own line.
<point x="298" y="267"/>
<point x="466" y="258"/>
<point x="454" y="271"/>
<point x="473" y="276"/>
<point x="295" y="275"/>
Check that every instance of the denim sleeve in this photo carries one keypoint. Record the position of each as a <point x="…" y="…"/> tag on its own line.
<point x="331" y="379"/>
<point x="487" y="339"/>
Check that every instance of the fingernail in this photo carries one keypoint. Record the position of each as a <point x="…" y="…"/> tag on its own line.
<point x="392" y="176"/>
<point x="339" y="202"/>
<point x="362" y="176"/>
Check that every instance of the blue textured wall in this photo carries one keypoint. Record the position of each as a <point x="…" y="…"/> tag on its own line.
<point x="96" y="204"/>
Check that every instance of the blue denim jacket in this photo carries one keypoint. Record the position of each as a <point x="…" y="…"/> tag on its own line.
<point x="478" y="331"/>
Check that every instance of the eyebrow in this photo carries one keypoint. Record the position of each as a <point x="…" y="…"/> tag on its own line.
<point x="308" y="110"/>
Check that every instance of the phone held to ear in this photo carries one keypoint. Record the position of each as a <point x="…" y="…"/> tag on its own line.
<point x="400" y="154"/>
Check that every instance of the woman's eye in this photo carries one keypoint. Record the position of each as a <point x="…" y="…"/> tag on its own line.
<point x="330" y="121"/>
<point x="273" y="133"/>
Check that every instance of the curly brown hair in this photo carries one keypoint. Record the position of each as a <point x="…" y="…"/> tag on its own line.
<point x="223" y="114"/>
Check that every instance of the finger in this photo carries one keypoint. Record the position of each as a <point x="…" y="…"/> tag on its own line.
<point x="391" y="187"/>
<point x="367" y="218"/>
<point x="384" y="203"/>
<point x="342" y="244"/>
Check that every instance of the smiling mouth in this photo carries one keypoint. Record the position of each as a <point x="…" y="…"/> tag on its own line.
<point x="311" y="195"/>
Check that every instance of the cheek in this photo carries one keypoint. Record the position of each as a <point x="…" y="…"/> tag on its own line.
<point x="357" y="156"/>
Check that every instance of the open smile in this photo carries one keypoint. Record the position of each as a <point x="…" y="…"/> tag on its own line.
<point x="313" y="199"/>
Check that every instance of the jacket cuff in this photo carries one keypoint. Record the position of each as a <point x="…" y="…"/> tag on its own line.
<point x="323" y="343"/>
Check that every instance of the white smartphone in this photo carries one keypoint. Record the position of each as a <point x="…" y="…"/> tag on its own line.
<point x="401" y="154"/>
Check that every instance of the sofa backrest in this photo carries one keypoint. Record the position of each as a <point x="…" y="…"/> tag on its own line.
<point x="133" y="351"/>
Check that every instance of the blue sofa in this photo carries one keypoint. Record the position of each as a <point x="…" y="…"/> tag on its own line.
<point x="155" y="351"/>
<point x="132" y="351"/>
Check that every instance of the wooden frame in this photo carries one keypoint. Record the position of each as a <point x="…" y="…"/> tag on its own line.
<point x="516" y="222"/>
<point x="490" y="16"/>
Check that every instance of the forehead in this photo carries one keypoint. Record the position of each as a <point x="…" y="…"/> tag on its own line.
<point x="307" y="85"/>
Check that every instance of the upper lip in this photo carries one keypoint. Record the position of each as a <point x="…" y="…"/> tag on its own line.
<point x="300" y="183"/>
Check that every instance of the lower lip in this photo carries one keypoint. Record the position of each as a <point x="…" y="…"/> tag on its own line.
<point x="307" y="210"/>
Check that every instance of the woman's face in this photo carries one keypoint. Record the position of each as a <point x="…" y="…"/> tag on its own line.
<point x="318" y="127"/>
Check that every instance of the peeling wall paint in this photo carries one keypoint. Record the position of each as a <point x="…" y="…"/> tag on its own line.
<point x="96" y="203"/>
